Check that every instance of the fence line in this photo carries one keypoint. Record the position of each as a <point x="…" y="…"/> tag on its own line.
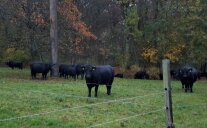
<point x="142" y="103"/>
<point x="80" y="97"/>
<point x="52" y="93"/>
<point x="109" y="101"/>
<point x="65" y="109"/>
<point x="126" y="118"/>
<point x="137" y="115"/>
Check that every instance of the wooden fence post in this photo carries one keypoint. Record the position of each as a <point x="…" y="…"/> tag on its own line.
<point x="167" y="88"/>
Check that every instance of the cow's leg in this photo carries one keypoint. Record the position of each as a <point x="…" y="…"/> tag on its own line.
<point x="191" y="88"/>
<point x="43" y="76"/>
<point x="34" y="75"/>
<point x="108" y="89"/>
<point x="89" y="90"/>
<point x="81" y="76"/>
<point x="96" y="90"/>
<point x="186" y="87"/>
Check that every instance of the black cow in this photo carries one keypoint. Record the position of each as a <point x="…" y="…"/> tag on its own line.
<point x="141" y="75"/>
<point x="40" y="68"/>
<point x="61" y="69"/>
<point x="99" y="75"/>
<point x="69" y="70"/>
<point x="188" y="75"/>
<point x="15" y="64"/>
<point x="80" y="70"/>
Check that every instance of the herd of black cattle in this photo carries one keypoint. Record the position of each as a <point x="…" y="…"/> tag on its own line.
<point x="104" y="75"/>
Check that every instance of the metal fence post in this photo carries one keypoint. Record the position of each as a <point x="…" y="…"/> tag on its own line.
<point x="167" y="89"/>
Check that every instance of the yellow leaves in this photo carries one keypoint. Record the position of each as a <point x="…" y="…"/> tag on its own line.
<point x="175" y="53"/>
<point x="16" y="54"/>
<point x="104" y="51"/>
<point x="150" y="54"/>
<point x="10" y="50"/>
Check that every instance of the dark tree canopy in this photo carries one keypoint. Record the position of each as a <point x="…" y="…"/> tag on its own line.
<point x="116" y="32"/>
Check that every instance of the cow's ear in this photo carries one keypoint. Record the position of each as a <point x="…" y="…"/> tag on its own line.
<point x="93" y="68"/>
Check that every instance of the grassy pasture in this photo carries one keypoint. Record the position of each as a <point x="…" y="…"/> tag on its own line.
<point x="60" y="103"/>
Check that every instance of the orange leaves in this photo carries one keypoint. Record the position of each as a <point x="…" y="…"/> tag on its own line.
<point x="31" y="11"/>
<point x="71" y="13"/>
<point x="82" y="28"/>
<point x="174" y="53"/>
<point x="78" y="46"/>
<point x="38" y="18"/>
<point x="150" y="54"/>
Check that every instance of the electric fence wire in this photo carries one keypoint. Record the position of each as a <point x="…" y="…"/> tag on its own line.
<point x="77" y="107"/>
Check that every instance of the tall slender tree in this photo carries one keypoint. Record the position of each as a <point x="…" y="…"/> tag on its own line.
<point x="54" y="36"/>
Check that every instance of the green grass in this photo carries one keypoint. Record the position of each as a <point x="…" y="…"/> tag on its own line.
<point x="68" y="106"/>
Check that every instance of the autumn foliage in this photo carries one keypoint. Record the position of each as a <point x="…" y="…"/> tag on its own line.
<point x="34" y="13"/>
<point x="70" y="12"/>
<point x="174" y="53"/>
<point x="38" y="18"/>
<point x="150" y="54"/>
<point x="78" y="46"/>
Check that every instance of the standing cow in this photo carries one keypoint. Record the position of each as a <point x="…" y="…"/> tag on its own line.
<point x="70" y="70"/>
<point x="141" y="75"/>
<point x="40" y="68"/>
<point x="61" y="69"/>
<point x="188" y="75"/>
<point x="15" y="64"/>
<point x="99" y="75"/>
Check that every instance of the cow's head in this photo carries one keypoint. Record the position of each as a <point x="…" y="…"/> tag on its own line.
<point x="89" y="71"/>
<point x="185" y="72"/>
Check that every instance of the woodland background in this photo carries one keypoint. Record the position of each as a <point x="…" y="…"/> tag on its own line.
<point x="117" y="32"/>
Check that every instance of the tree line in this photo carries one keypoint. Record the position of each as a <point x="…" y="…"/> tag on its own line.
<point x="116" y="32"/>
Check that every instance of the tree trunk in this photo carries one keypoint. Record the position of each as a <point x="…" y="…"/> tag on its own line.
<point x="53" y="36"/>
